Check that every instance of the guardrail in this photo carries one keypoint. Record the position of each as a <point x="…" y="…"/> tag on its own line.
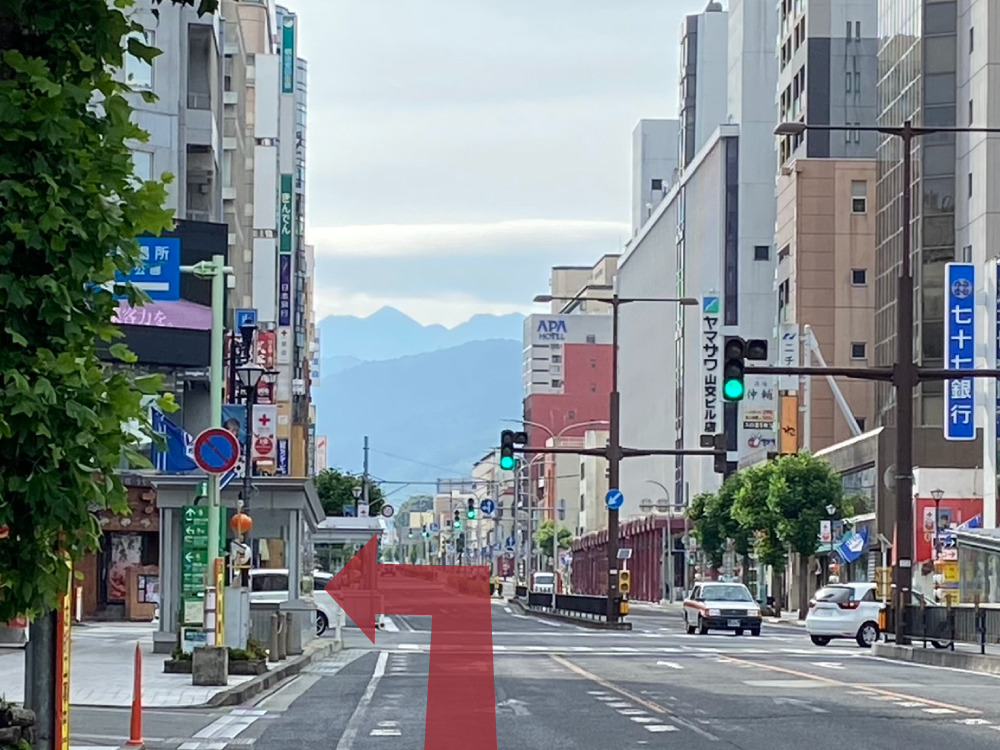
<point x="944" y="626"/>
<point x="593" y="607"/>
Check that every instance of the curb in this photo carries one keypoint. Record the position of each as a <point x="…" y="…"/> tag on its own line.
<point x="982" y="663"/>
<point x="238" y="694"/>
<point x="582" y="622"/>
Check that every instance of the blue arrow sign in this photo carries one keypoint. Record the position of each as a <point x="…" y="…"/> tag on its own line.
<point x="614" y="499"/>
<point x="246" y="316"/>
<point x="435" y="527"/>
<point x="487" y="506"/>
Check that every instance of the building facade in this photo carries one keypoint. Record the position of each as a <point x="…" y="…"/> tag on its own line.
<point x="825" y="236"/>
<point x="704" y="73"/>
<point x="654" y="166"/>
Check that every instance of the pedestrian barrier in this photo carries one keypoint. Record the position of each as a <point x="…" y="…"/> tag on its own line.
<point x="135" y="724"/>
<point x="595" y="607"/>
<point x="945" y="625"/>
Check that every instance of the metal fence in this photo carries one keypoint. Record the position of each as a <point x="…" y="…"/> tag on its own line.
<point x="943" y="627"/>
<point x="594" y="607"/>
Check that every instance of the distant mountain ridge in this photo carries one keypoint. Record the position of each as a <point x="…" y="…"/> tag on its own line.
<point x="388" y="334"/>
<point x="427" y="415"/>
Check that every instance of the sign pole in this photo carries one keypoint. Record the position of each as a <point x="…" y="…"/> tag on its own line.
<point x="215" y="404"/>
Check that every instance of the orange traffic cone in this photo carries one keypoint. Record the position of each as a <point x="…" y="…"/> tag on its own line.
<point x="135" y="728"/>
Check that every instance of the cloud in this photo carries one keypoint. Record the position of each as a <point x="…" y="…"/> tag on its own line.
<point x="446" y="309"/>
<point x="492" y="238"/>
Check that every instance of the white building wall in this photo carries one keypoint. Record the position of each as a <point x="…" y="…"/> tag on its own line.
<point x="712" y="69"/>
<point x="594" y="484"/>
<point x="654" y="157"/>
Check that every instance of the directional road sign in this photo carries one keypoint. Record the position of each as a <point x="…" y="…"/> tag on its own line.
<point x="614" y="499"/>
<point x="246" y="316"/>
<point x="194" y="559"/>
<point x="435" y="527"/>
<point x="159" y="271"/>
<point x="387" y="511"/>
<point x="216" y="450"/>
<point x="487" y="506"/>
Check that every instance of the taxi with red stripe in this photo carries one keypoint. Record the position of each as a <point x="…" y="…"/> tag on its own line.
<point x="719" y="605"/>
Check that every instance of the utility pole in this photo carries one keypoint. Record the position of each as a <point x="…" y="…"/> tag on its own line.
<point x="364" y="478"/>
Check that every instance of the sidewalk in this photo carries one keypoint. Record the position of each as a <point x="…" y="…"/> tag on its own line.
<point x="101" y="670"/>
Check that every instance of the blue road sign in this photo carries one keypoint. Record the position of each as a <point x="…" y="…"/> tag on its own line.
<point x="216" y="450"/>
<point x="487" y="506"/>
<point x="159" y="270"/>
<point x="614" y="499"/>
<point x="435" y="527"/>
<point x="244" y="316"/>
<point x="511" y="541"/>
<point x="959" y="345"/>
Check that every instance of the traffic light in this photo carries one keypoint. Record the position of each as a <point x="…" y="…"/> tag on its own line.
<point x="457" y="524"/>
<point x="624" y="582"/>
<point x="507" y="450"/>
<point x="470" y="511"/>
<point x="720" y="453"/>
<point x="733" y="387"/>
<point x="426" y="533"/>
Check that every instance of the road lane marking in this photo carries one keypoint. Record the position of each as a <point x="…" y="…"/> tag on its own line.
<point x="660" y="728"/>
<point x="408" y="647"/>
<point x="384" y="733"/>
<point x="643" y="719"/>
<point x="671" y="664"/>
<point x="854" y="686"/>
<point x="652" y="706"/>
<point x="939" y="711"/>
<point x="354" y="723"/>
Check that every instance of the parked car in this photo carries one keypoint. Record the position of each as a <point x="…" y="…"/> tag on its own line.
<point x="721" y="606"/>
<point x="272" y="585"/>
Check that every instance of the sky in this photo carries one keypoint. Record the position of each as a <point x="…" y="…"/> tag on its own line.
<point x="457" y="149"/>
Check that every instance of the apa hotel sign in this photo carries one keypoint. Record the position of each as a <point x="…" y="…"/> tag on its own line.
<point x="551" y="330"/>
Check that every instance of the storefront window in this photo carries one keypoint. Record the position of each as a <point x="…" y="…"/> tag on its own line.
<point x="979" y="572"/>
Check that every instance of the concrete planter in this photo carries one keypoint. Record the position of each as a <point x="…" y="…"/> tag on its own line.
<point x="247" y="668"/>
<point x="177" y="666"/>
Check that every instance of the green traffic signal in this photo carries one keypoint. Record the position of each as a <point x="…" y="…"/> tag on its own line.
<point x="733" y="390"/>
<point x="457" y="524"/>
<point x="470" y="514"/>
<point x="506" y="463"/>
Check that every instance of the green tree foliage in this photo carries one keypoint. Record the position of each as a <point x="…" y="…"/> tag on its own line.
<point x="70" y="212"/>
<point x="543" y="538"/>
<point x="754" y="514"/>
<point x="335" y="490"/>
<point x="713" y="524"/>
<point x="413" y="504"/>
<point x="802" y="489"/>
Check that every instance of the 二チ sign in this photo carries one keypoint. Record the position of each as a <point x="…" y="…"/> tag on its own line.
<point x="159" y="271"/>
<point x="959" y="346"/>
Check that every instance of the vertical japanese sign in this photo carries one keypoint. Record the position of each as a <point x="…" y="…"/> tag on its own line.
<point x="760" y="416"/>
<point x="286" y="218"/>
<point x="282" y="469"/>
<point x="288" y="56"/>
<point x="285" y="290"/>
<point x="265" y="439"/>
<point x="194" y="563"/>
<point x="959" y="346"/>
<point x="64" y="624"/>
<point x="788" y="355"/>
<point x="710" y="324"/>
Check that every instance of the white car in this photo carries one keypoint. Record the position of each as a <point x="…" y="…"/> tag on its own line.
<point x="271" y="585"/>
<point x="844" y="610"/>
<point x="721" y="606"/>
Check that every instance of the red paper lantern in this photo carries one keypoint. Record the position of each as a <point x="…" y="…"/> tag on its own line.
<point x="241" y="524"/>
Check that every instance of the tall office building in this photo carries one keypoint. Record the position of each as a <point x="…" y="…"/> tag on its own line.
<point x="917" y="81"/>
<point x="704" y="70"/>
<point x="654" y="167"/>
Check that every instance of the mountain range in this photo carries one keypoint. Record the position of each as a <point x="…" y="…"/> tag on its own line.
<point x="389" y="333"/>
<point x="429" y="398"/>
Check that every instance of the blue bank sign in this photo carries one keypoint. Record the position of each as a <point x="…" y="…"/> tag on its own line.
<point x="959" y="346"/>
<point x="159" y="271"/>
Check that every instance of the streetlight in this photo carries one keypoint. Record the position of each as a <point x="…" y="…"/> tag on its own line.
<point x="356" y="491"/>
<point x="904" y="374"/>
<point x="937" y="495"/>
<point x="249" y="375"/>
<point x="614" y="450"/>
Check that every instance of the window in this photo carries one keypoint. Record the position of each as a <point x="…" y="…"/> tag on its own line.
<point x="970" y="111"/>
<point x="139" y="73"/>
<point x="593" y="387"/>
<point x="593" y="364"/>
<point x="859" y="196"/>
<point x="761" y="252"/>
<point x="848" y="34"/>
<point x="970" y="184"/>
<point x="656" y="184"/>
<point x="142" y="165"/>
<point x="859" y="350"/>
<point x="861" y="422"/>
<point x="591" y="338"/>
<point x="972" y="39"/>
<point x="556" y="359"/>
<point x="847" y="86"/>
<point x="857" y="81"/>
<point x="857" y="29"/>
<point x="859" y="276"/>
<point x="557" y="384"/>
<point x="269" y="582"/>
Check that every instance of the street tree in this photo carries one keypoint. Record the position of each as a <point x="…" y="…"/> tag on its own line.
<point x="543" y="538"/>
<point x="804" y="490"/>
<point x="713" y="525"/>
<point x="336" y="491"/>
<point x="70" y="212"/>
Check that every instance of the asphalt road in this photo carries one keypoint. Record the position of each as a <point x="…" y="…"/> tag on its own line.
<point x="560" y="686"/>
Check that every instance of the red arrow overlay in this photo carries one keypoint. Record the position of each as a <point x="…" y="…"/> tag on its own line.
<point x="461" y="700"/>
